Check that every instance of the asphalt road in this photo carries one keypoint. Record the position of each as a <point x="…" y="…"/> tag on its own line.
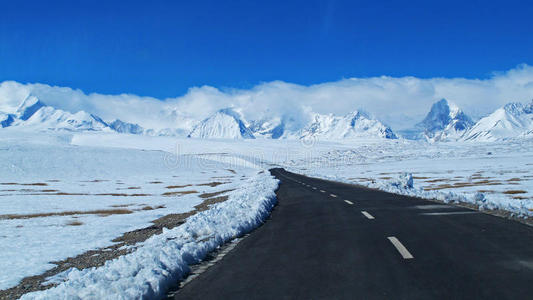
<point x="328" y="240"/>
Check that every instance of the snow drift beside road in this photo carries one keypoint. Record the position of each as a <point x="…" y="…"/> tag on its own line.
<point x="403" y="185"/>
<point x="165" y="258"/>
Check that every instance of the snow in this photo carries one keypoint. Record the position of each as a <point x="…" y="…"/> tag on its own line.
<point x="512" y="120"/>
<point x="6" y="120"/>
<point x="354" y="125"/>
<point x="123" y="127"/>
<point x="28" y="107"/>
<point x="449" y="170"/>
<point x="268" y="128"/>
<point x="444" y="122"/>
<point x="83" y="172"/>
<point x="164" y="258"/>
<point x="89" y="163"/>
<point x="90" y="167"/>
<point x="224" y="124"/>
<point x="490" y="175"/>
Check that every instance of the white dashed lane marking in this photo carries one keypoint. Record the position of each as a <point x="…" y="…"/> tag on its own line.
<point x="400" y="247"/>
<point x="349" y="202"/>
<point x="449" y="213"/>
<point x="333" y="195"/>
<point x="367" y="215"/>
<point x="322" y="191"/>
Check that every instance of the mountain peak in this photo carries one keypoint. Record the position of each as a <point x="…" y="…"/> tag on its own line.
<point x="28" y="107"/>
<point x="354" y="125"/>
<point x="510" y="121"/>
<point x="224" y="124"/>
<point x="528" y="108"/>
<point x="123" y="127"/>
<point x="444" y="120"/>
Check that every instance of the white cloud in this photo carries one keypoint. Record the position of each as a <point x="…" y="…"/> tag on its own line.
<point x="399" y="102"/>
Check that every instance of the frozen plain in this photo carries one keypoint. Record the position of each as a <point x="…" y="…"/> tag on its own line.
<point x="90" y="169"/>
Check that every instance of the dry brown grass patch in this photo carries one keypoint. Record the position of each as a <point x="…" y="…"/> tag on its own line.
<point x="152" y="208"/>
<point x="95" y="180"/>
<point x="222" y="177"/>
<point x="210" y="195"/>
<point x="25" y="184"/>
<point x="177" y="186"/>
<point x="122" y="195"/>
<point x="211" y="184"/>
<point x="178" y="193"/>
<point x="100" y="212"/>
<point x="122" y="205"/>
<point x="75" y="223"/>
<point x="514" y="179"/>
<point x="155" y="182"/>
<point x="461" y="184"/>
<point x="70" y="194"/>
<point x="100" y="194"/>
<point x="438" y="180"/>
<point x="208" y="202"/>
<point x="513" y="192"/>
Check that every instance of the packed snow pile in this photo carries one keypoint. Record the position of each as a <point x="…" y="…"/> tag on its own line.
<point x="165" y="258"/>
<point x="404" y="181"/>
<point x="404" y="185"/>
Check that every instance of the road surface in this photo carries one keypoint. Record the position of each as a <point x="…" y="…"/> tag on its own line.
<point x="328" y="240"/>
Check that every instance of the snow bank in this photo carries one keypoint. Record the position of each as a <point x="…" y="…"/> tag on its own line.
<point x="403" y="185"/>
<point x="165" y="258"/>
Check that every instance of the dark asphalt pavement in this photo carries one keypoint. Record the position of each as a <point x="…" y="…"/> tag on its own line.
<point x="316" y="245"/>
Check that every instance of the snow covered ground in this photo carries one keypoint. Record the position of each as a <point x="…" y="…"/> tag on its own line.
<point x="62" y="194"/>
<point x="59" y="200"/>
<point x="489" y="175"/>
<point x="494" y="175"/>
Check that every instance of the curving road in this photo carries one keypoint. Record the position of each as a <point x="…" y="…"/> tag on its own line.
<point x="328" y="240"/>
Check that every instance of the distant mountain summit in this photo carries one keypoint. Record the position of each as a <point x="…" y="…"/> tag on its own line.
<point x="355" y="125"/>
<point x="28" y="107"/>
<point x="445" y="121"/>
<point x="33" y="113"/>
<point x="224" y="124"/>
<point x="124" y="127"/>
<point x="273" y="128"/>
<point x="512" y="120"/>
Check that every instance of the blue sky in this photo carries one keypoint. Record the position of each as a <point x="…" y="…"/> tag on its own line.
<point x="161" y="49"/>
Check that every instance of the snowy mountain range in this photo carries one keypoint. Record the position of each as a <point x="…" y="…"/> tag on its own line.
<point x="444" y="122"/>
<point x="224" y="124"/>
<point x="33" y="113"/>
<point x="512" y="120"/>
<point x="354" y="125"/>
